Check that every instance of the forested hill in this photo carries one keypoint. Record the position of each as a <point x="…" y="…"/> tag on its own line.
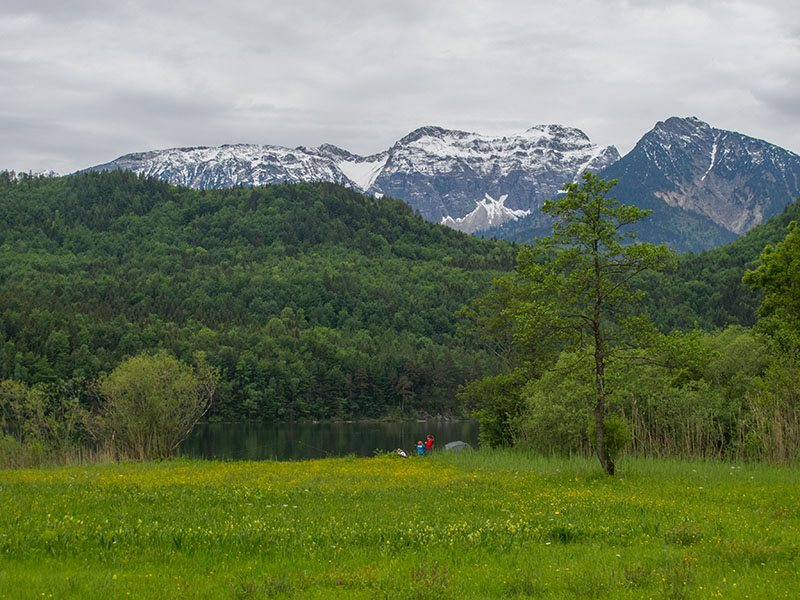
<point x="312" y="300"/>
<point x="706" y="289"/>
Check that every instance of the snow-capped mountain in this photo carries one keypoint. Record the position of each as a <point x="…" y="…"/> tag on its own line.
<point x="705" y="186"/>
<point x="440" y="173"/>
<point x="444" y="173"/>
<point x="237" y="165"/>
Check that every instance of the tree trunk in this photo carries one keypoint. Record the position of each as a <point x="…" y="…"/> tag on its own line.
<point x="600" y="413"/>
<point x="599" y="374"/>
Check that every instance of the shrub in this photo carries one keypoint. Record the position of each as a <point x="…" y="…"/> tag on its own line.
<point x="152" y="403"/>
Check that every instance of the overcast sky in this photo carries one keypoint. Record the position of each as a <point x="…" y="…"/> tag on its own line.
<point x="83" y="82"/>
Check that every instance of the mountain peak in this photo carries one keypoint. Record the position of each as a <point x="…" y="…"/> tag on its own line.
<point x="556" y="131"/>
<point x="735" y="180"/>
<point x="332" y="152"/>
<point x="426" y="131"/>
<point x="681" y="127"/>
<point x="680" y="122"/>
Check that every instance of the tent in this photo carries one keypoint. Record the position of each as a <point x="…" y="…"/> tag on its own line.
<point x="457" y="446"/>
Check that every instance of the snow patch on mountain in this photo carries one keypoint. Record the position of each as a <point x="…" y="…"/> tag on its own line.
<point x="488" y="213"/>
<point x="363" y="172"/>
<point x="713" y="160"/>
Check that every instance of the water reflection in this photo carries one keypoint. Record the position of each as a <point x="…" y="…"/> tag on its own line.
<point x="299" y="441"/>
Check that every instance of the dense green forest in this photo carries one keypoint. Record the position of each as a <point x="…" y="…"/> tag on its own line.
<point x="311" y="300"/>
<point x="705" y="291"/>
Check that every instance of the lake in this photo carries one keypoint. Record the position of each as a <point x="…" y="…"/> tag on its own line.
<point x="301" y="441"/>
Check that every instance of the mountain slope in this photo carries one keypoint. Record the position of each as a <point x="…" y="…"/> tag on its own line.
<point x="706" y="289"/>
<point x="705" y="186"/>
<point x="681" y="230"/>
<point x="735" y="180"/>
<point x="445" y="173"/>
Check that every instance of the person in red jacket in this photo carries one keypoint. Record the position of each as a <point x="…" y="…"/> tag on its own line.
<point x="429" y="444"/>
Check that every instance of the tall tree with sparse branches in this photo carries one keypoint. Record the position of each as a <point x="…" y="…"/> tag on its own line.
<point x="578" y="283"/>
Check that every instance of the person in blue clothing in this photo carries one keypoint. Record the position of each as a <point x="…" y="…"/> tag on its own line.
<point x="420" y="448"/>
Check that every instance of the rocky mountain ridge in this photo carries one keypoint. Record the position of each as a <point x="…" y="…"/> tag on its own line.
<point x="706" y="185"/>
<point x="736" y="180"/>
<point x="440" y="173"/>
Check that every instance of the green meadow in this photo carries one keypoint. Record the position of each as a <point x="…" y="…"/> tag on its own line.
<point x="487" y="524"/>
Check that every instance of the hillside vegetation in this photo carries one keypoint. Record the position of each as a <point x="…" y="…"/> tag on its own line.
<point x="312" y="301"/>
<point x="706" y="289"/>
<point x="717" y="376"/>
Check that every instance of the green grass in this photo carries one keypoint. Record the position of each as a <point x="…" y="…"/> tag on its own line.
<point x="479" y="525"/>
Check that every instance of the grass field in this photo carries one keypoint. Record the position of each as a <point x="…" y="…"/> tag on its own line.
<point x="479" y="525"/>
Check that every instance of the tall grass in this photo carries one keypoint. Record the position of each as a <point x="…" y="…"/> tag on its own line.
<point x="497" y="524"/>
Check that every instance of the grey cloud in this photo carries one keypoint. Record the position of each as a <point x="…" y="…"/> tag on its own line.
<point x="55" y="10"/>
<point x="135" y="76"/>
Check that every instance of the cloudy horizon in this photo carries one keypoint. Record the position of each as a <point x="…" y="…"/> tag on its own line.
<point x="86" y="82"/>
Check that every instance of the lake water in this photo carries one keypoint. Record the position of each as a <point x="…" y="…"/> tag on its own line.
<point x="300" y="441"/>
